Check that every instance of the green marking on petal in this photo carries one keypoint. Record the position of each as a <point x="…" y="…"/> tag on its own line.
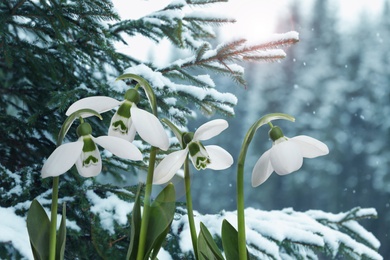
<point x="124" y="109"/>
<point x="199" y="155"/>
<point x="201" y="163"/>
<point x="120" y="126"/>
<point x="194" y="148"/>
<point x="89" y="144"/>
<point x="90" y="160"/>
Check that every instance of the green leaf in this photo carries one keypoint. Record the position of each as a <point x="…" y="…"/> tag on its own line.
<point x="61" y="236"/>
<point x="230" y="241"/>
<point x="162" y="211"/>
<point x="135" y="227"/>
<point x="207" y="247"/>
<point x="204" y="252"/>
<point x="148" y="89"/>
<point x="38" y="226"/>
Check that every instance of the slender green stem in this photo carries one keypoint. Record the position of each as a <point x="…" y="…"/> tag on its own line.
<point x="240" y="177"/>
<point x="53" y="220"/>
<point x="147" y="202"/>
<point x="240" y="205"/>
<point x="54" y="209"/>
<point x="190" y="213"/>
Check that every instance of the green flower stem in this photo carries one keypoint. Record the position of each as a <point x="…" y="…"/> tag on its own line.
<point x="53" y="220"/>
<point x="54" y="200"/>
<point x="149" y="180"/>
<point x="190" y="212"/>
<point x="240" y="177"/>
<point x="240" y="202"/>
<point x="147" y="202"/>
<point x="54" y="195"/>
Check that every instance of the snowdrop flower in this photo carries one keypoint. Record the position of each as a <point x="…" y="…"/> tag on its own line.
<point x="128" y="119"/>
<point x="85" y="154"/>
<point x="286" y="155"/>
<point x="202" y="157"/>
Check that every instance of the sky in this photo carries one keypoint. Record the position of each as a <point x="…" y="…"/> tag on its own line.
<point x="256" y="19"/>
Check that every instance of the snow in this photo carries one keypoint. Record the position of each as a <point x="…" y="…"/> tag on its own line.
<point x="170" y="15"/>
<point x="110" y="210"/>
<point x="16" y="189"/>
<point x="13" y="230"/>
<point x="265" y="230"/>
<point x="159" y="81"/>
<point x="164" y="255"/>
<point x="206" y="79"/>
<point x="170" y="101"/>
<point x="138" y="8"/>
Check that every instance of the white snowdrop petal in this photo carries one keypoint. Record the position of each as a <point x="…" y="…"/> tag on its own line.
<point x="91" y="170"/>
<point x="286" y="157"/>
<point x="219" y="157"/>
<point x="131" y="132"/>
<point x="149" y="128"/>
<point x="98" y="103"/>
<point x="119" y="147"/>
<point x="210" y="129"/>
<point x="262" y="169"/>
<point x="118" y="132"/>
<point x="310" y="147"/>
<point x="62" y="159"/>
<point x="169" y="166"/>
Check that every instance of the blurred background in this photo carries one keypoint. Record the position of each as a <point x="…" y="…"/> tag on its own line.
<point x="336" y="82"/>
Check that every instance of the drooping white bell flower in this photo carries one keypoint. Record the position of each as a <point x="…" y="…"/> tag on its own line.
<point x="286" y="155"/>
<point x="128" y="119"/>
<point x="85" y="154"/>
<point x="202" y="157"/>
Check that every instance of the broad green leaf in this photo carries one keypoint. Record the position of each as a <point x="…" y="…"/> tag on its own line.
<point x="61" y="236"/>
<point x="230" y="241"/>
<point x="159" y="242"/>
<point x="204" y="252"/>
<point x="38" y="226"/>
<point x="207" y="246"/>
<point x="162" y="211"/>
<point x="135" y="227"/>
<point x="145" y="85"/>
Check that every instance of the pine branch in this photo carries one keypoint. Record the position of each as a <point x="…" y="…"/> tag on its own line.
<point x="16" y="6"/>
<point x="287" y="233"/>
<point x="208" y="20"/>
<point x="236" y="51"/>
<point x="205" y="2"/>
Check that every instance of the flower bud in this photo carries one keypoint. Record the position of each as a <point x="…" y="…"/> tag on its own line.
<point x="84" y="129"/>
<point x="275" y="133"/>
<point x="132" y="95"/>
